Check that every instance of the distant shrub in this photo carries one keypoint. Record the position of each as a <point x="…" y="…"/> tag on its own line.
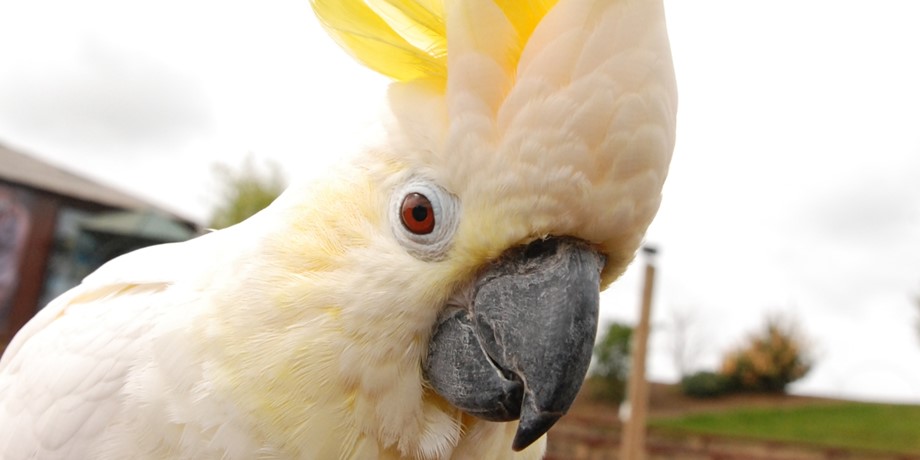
<point x="705" y="384"/>
<point x="245" y="191"/>
<point x="769" y="360"/>
<point x="611" y="362"/>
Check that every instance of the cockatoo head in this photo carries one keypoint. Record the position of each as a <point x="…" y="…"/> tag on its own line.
<point x="527" y="148"/>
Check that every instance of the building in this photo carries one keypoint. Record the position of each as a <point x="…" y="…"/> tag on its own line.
<point x="56" y="227"/>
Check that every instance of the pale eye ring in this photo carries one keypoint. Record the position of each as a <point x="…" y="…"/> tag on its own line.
<point x="425" y="218"/>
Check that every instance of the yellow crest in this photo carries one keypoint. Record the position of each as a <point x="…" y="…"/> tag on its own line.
<point x="406" y="40"/>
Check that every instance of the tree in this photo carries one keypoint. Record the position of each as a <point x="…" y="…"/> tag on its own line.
<point x="245" y="191"/>
<point x="611" y="361"/>
<point x="770" y="359"/>
<point x="687" y="342"/>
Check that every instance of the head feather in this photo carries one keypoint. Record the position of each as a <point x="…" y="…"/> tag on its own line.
<point x="407" y="40"/>
<point x="552" y="117"/>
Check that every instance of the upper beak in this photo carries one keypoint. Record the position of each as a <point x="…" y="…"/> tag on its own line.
<point x="522" y="349"/>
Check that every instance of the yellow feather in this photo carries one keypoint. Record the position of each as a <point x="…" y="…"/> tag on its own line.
<point x="420" y="23"/>
<point x="525" y="15"/>
<point x="402" y="40"/>
<point x="407" y="40"/>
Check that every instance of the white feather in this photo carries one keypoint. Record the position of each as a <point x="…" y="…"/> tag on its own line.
<point x="69" y="379"/>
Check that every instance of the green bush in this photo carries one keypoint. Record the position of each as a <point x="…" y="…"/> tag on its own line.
<point x="611" y="362"/>
<point x="705" y="384"/>
<point x="245" y="191"/>
<point x="770" y="360"/>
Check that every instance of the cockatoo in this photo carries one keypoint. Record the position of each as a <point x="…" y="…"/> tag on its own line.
<point x="435" y="289"/>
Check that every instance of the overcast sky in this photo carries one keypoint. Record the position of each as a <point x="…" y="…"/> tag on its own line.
<point x="794" y="189"/>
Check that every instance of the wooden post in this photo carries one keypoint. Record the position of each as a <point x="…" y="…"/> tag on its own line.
<point x="32" y="266"/>
<point x="632" y="446"/>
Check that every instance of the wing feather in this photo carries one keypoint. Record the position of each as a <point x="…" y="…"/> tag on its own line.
<point x="62" y="378"/>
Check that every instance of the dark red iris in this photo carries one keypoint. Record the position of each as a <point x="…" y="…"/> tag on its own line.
<point x="417" y="214"/>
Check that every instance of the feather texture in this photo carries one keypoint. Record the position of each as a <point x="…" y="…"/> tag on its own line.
<point x="572" y="138"/>
<point x="66" y="375"/>
<point x="403" y="40"/>
<point x="300" y="333"/>
<point x="407" y="40"/>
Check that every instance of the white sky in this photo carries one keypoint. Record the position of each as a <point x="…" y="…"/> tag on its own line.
<point x="795" y="185"/>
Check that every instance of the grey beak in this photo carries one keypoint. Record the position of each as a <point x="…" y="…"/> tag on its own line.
<point x="523" y="347"/>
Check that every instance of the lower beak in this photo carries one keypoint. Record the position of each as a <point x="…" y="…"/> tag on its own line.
<point x="522" y="349"/>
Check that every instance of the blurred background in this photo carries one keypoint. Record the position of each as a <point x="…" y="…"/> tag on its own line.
<point x="794" y="190"/>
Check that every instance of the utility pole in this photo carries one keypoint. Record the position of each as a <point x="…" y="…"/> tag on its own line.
<point x="632" y="445"/>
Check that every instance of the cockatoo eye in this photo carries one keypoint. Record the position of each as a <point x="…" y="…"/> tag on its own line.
<point x="417" y="214"/>
<point x="425" y="218"/>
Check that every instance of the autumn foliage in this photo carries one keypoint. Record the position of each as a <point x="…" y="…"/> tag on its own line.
<point x="768" y="360"/>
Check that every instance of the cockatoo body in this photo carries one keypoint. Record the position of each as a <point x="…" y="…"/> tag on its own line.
<point x="441" y="285"/>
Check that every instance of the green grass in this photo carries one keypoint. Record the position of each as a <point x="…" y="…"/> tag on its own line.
<point x="879" y="427"/>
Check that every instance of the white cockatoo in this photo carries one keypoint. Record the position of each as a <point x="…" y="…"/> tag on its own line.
<point x="436" y="297"/>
